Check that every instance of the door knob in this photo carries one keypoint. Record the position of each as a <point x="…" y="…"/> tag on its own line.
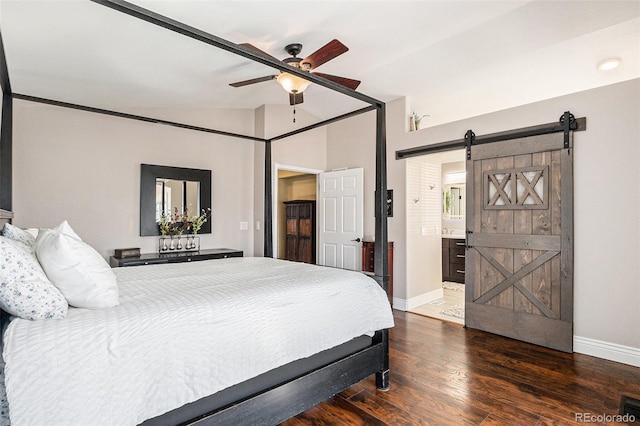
<point x="357" y="240"/>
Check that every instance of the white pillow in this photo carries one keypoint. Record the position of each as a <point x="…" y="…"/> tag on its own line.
<point x="19" y="235"/>
<point x="76" y="269"/>
<point x="25" y="290"/>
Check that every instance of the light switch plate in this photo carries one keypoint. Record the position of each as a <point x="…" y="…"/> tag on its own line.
<point x="244" y="226"/>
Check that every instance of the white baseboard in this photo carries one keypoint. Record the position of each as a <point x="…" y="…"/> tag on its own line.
<point x="606" y="350"/>
<point x="407" y="304"/>
<point x="399" y="304"/>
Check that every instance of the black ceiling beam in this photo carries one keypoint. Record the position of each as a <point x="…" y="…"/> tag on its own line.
<point x="325" y="122"/>
<point x="196" y="34"/>
<point x="132" y="116"/>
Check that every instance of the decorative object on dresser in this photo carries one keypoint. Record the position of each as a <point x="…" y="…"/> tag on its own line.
<point x="367" y="262"/>
<point x="176" y="243"/>
<point x="174" y="257"/>
<point x="453" y="257"/>
<point x="172" y="228"/>
<point x="126" y="252"/>
<point x="300" y="244"/>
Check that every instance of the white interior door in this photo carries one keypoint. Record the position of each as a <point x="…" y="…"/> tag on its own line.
<point x="340" y="218"/>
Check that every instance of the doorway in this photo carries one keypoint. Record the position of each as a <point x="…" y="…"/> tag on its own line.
<point x="337" y="201"/>
<point x="435" y="223"/>
<point x="292" y="183"/>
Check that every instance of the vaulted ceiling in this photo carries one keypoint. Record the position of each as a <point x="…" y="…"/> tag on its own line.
<point x="452" y="59"/>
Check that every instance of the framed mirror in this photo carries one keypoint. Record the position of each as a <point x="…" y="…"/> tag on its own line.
<point x="164" y="189"/>
<point x="453" y="197"/>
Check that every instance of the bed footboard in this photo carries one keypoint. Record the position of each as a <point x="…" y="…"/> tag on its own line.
<point x="279" y="404"/>
<point x="291" y="397"/>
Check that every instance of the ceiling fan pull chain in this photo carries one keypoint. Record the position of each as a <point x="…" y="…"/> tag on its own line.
<point x="294" y="112"/>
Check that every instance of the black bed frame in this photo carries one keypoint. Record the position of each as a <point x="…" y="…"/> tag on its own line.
<point x="291" y="389"/>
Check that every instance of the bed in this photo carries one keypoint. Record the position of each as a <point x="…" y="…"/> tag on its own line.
<point x="182" y="332"/>
<point x="275" y="390"/>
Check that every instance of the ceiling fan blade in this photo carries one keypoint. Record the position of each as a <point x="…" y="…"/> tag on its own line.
<point x="295" y="99"/>
<point x="325" y="53"/>
<point x="252" y="47"/>
<point x="253" y="81"/>
<point x="347" y="82"/>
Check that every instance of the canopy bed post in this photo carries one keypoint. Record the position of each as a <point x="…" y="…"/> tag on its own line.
<point x="268" y="202"/>
<point x="6" y="152"/>
<point x="6" y="134"/>
<point x="381" y="253"/>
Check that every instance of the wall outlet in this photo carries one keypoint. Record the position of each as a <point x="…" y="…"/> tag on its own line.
<point x="244" y="226"/>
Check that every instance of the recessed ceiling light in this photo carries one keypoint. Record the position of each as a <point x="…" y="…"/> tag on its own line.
<point x="609" y="64"/>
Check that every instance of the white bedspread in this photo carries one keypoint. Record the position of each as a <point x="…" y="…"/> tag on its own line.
<point x="181" y="332"/>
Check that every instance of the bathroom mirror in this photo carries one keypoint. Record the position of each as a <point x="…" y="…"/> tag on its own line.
<point x="164" y="188"/>
<point x="453" y="205"/>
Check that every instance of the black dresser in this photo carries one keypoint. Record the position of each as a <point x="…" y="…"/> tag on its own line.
<point x="174" y="257"/>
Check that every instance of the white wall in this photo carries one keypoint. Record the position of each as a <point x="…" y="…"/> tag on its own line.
<point x="607" y="235"/>
<point x="85" y="168"/>
<point x="423" y="238"/>
<point x="351" y="143"/>
<point x="307" y="150"/>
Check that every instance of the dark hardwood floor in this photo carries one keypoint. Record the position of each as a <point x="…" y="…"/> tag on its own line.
<point x="444" y="374"/>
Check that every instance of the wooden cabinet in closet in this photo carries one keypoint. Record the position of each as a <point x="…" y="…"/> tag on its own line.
<point x="300" y="239"/>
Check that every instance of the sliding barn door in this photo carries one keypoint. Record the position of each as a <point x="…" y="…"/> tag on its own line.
<point x="519" y="263"/>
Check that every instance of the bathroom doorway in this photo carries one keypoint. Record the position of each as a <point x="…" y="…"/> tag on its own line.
<point x="435" y="235"/>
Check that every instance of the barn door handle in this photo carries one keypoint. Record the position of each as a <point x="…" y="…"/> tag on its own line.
<point x="357" y="240"/>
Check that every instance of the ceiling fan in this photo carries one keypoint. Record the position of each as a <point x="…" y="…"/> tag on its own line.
<point x="295" y="85"/>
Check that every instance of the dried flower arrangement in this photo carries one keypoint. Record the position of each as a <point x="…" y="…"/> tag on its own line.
<point x="179" y="223"/>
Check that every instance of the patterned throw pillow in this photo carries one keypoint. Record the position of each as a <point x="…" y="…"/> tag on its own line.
<point x="25" y="290"/>
<point x="19" y="235"/>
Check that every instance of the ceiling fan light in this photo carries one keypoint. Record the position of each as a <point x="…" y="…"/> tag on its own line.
<point x="291" y="83"/>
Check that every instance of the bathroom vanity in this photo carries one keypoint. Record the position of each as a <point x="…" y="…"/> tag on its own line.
<point x="453" y="255"/>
